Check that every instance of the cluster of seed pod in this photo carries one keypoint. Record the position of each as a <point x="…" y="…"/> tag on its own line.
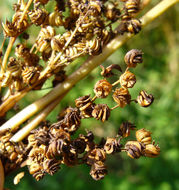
<point x="88" y="28"/>
<point x="51" y="145"/>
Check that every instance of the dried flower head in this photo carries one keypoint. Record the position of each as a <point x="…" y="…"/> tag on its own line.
<point x="144" y="99"/>
<point x="127" y="79"/>
<point x="125" y="129"/>
<point x="143" y="136"/>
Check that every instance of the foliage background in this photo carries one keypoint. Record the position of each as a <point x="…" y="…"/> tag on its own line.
<point x="159" y="75"/>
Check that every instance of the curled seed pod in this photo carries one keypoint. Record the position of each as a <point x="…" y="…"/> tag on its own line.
<point x="133" y="57"/>
<point x="125" y="128"/>
<point x="134" y="149"/>
<point x="97" y="154"/>
<point x="127" y="80"/>
<point x="41" y="135"/>
<point x="112" y="146"/>
<point x="9" y="29"/>
<point x="34" y="167"/>
<point x="111" y="12"/>
<point x="30" y="75"/>
<point x="95" y="5"/>
<point x="71" y="51"/>
<point x="55" y="19"/>
<point x="144" y="99"/>
<point x="133" y="26"/>
<point x="88" y="140"/>
<point x="106" y="36"/>
<point x="98" y="170"/>
<point x="6" y="79"/>
<point x="14" y="67"/>
<point x="102" y="88"/>
<point x="122" y="97"/>
<point x="94" y="46"/>
<point x="83" y="102"/>
<point x="18" y="177"/>
<point x="143" y="136"/>
<point x="57" y="44"/>
<point x="39" y="175"/>
<point x="132" y="6"/>
<point x="72" y="119"/>
<point x="21" y="26"/>
<point x="51" y="166"/>
<point x="101" y="112"/>
<point x="58" y="132"/>
<point x="151" y="150"/>
<point x="107" y="72"/>
<point x="38" y="16"/>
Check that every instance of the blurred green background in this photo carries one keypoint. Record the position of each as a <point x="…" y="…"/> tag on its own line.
<point x="159" y="75"/>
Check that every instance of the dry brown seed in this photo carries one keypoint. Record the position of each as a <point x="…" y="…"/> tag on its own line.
<point x="125" y="129"/>
<point x="133" y="57"/>
<point x="144" y="99"/>
<point x="143" y="136"/>
<point x="102" y="88"/>
<point x="122" y="97"/>
<point x="151" y="150"/>
<point x="111" y="146"/>
<point x="18" y="177"/>
<point x="107" y="72"/>
<point x="134" y="26"/>
<point x="132" y="6"/>
<point x="127" y="80"/>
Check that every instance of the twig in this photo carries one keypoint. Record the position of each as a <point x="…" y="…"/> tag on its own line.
<point x="1" y="176"/>
<point x="85" y="69"/>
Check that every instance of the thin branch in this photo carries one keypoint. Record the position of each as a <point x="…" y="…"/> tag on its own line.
<point x="1" y="176"/>
<point x="85" y="69"/>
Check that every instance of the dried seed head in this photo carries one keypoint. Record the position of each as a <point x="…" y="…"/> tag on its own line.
<point x="102" y="88"/>
<point x="51" y="166"/>
<point x="79" y="145"/>
<point x="151" y="150"/>
<point x="122" y="97"/>
<point x="133" y="26"/>
<point x="132" y="6"/>
<point x="112" y="146"/>
<point x="144" y="99"/>
<point x="143" y="136"/>
<point x="111" y="12"/>
<point x="133" y="57"/>
<point x="98" y="170"/>
<point x="107" y="72"/>
<point x="94" y="46"/>
<point x="55" y="19"/>
<point x="125" y="128"/>
<point x="127" y="79"/>
<point x="95" y="155"/>
<point x="9" y="29"/>
<point x="101" y="112"/>
<point x="134" y="149"/>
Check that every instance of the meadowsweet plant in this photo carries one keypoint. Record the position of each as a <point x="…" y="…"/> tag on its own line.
<point x="93" y="28"/>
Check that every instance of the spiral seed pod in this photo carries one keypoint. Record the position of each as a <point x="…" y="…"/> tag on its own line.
<point x="102" y="88"/>
<point x="94" y="46"/>
<point x="57" y="44"/>
<point x="79" y="145"/>
<point x="51" y="166"/>
<point x="125" y="129"/>
<point x="18" y="177"/>
<point x="133" y="57"/>
<point x="106" y="36"/>
<point x="127" y="79"/>
<point x="95" y="155"/>
<point x="6" y="79"/>
<point x="98" y="170"/>
<point x="133" y="26"/>
<point x="107" y="72"/>
<point x="38" y="16"/>
<point x="101" y="112"/>
<point x="122" y="97"/>
<point x="14" y="67"/>
<point x="39" y="175"/>
<point x="20" y="26"/>
<point x="143" y="136"/>
<point x="30" y="75"/>
<point x="151" y="150"/>
<point x="111" y="146"/>
<point x="134" y="149"/>
<point x="132" y="6"/>
<point x="55" y="19"/>
<point x="95" y="5"/>
<point x="144" y="99"/>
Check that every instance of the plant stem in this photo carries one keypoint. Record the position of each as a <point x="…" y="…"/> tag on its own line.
<point x="1" y="176"/>
<point x="25" y="10"/>
<point x="85" y="69"/>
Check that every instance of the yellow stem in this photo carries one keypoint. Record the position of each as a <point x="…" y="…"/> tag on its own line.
<point x="25" y="10"/>
<point x="84" y="70"/>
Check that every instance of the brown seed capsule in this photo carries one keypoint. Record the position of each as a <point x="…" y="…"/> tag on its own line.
<point x="127" y="79"/>
<point x="18" y="177"/>
<point x="102" y="88"/>
<point x="55" y="19"/>
<point x="125" y="129"/>
<point x="98" y="170"/>
<point x="132" y="6"/>
<point x="134" y="149"/>
<point x="133" y="57"/>
<point x="144" y="99"/>
<point x="101" y="112"/>
<point x="95" y="155"/>
<point x="143" y="136"/>
<point x="51" y="166"/>
<point x="79" y="145"/>
<point x="122" y="97"/>
<point x="151" y="150"/>
<point x="111" y="146"/>
<point x="111" y="12"/>
<point x="107" y="72"/>
<point x="133" y="26"/>
<point x="94" y="46"/>
<point x="9" y="29"/>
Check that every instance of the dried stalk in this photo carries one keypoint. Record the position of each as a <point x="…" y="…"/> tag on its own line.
<point x="1" y="176"/>
<point x="85" y="69"/>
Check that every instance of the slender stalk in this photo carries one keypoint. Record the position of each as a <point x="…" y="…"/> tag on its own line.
<point x="25" y="10"/>
<point x="6" y="55"/>
<point x="1" y="176"/>
<point x="85" y="69"/>
<point x="21" y="134"/>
